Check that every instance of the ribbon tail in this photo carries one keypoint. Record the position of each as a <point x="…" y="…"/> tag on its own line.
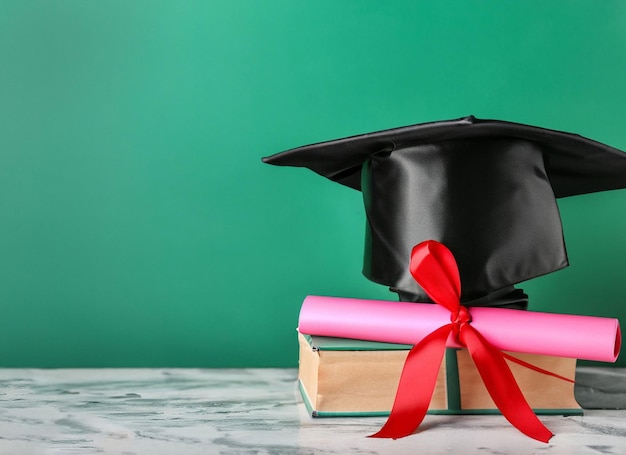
<point x="502" y="386"/>
<point x="416" y="386"/>
<point x="536" y="368"/>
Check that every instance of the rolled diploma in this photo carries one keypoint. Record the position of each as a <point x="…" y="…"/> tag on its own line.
<point x="563" y="335"/>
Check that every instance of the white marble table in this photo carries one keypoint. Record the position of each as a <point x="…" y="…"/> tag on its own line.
<point x="257" y="411"/>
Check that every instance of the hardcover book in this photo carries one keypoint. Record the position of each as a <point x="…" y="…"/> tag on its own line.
<point x="343" y="377"/>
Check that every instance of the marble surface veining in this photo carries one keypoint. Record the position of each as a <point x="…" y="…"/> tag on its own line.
<point x="258" y="411"/>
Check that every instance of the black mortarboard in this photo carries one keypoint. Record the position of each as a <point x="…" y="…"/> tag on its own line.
<point x="484" y="188"/>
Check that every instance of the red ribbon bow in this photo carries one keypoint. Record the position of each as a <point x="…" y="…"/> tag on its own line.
<point x="433" y="266"/>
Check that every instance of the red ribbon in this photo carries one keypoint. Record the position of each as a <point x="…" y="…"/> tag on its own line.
<point x="433" y="266"/>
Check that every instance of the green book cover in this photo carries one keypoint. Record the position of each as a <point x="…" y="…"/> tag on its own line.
<point x="319" y="343"/>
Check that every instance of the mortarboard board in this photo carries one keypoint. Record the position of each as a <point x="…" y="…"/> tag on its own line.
<point x="484" y="188"/>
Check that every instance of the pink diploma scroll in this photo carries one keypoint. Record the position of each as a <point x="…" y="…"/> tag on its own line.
<point x="563" y="335"/>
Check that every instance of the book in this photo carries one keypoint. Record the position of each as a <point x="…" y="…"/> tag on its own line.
<point x="343" y="377"/>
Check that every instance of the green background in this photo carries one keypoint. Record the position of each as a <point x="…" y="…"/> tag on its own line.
<point x="138" y="225"/>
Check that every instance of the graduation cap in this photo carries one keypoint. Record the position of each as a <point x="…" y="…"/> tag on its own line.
<point x="484" y="188"/>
